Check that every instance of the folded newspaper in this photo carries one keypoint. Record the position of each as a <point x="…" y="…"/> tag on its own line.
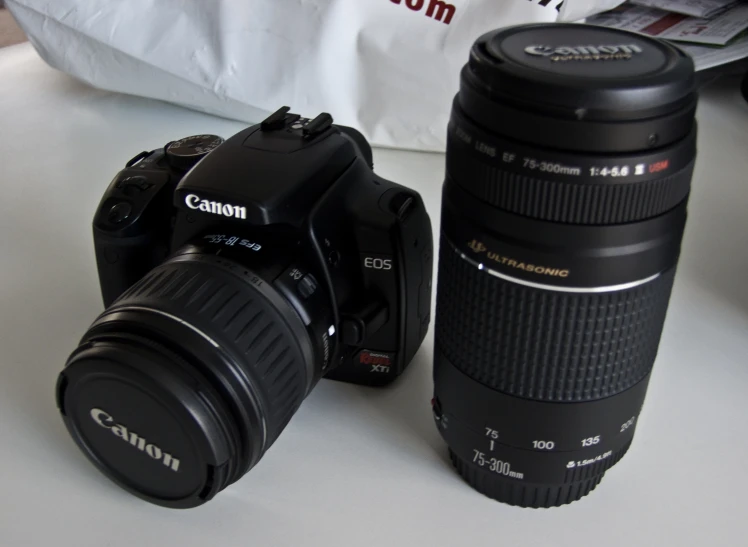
<point x="718" y="31"/>
<point x="695" y="8"/>
<point x="711" y="42"/>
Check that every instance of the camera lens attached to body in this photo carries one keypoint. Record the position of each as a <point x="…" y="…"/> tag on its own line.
<point x="180" y="387"/>
<point x="569" y="163"/>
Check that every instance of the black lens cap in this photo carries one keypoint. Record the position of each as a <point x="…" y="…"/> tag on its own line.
<point x="583" y="71"/>
<point x="139" y="413"/>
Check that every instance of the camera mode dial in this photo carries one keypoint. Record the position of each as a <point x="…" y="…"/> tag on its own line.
<point x="185" y="153"/>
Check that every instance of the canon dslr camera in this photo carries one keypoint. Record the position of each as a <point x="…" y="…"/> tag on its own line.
<point x="236" y="274"/>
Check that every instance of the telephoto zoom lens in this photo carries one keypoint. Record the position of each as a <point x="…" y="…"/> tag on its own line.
<point x="569" y="162"/>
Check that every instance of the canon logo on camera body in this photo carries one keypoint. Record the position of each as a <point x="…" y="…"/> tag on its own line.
<point x="102" y="418"/>
<point x="585" y="53"/>
<point x="215" y="207"/>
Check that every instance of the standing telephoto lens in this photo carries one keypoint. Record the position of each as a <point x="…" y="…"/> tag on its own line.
<point x="569" y="162"/>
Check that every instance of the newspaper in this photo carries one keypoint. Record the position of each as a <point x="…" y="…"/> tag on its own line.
<point x="705" y="57"/>
<point x="675" y="26"/>
<point x="696" y="8"/>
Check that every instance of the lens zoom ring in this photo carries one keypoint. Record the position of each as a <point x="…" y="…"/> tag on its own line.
<point x="569" y="202"/>
<point x="547" y="345"/>
<point x="237" y="317"/>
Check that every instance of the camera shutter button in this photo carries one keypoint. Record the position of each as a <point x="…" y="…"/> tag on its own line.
<point x="119" y="212"/>
<point x="401" y="205"/>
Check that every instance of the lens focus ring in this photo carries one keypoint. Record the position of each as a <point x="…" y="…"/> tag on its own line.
<point x="574" y="202"/>
<point x="546" y="345"/>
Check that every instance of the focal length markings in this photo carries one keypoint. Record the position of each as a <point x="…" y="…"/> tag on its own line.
<point x="551" y="167"/>
<point x="230" y="241"/>
<point x="499" y="467"/>
<point x="507" y="156"/>
<point x="529" y="163"/>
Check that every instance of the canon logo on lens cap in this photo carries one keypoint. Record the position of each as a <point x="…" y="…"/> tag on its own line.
<point x="585" y="53"/>
<point x="102" y="418"/>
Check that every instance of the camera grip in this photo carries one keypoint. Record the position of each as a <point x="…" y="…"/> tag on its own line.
<point x="122" y="261"/>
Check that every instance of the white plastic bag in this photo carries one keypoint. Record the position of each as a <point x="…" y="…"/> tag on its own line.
<point x="388" y="67"/>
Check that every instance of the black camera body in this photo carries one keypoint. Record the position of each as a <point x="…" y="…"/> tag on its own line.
<point x="295" y="201"/>
<point x="235" y="275"/>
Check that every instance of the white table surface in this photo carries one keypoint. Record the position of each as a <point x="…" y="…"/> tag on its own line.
<point x="356" y="466"/>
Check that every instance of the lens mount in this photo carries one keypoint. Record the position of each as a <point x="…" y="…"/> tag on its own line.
<point x="527" y="452"/>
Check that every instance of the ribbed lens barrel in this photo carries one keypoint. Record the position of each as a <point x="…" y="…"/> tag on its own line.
<point x="569" y="161"/>
<point x="181" y="386"/>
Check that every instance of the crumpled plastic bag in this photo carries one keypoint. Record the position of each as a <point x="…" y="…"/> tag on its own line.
<point x="387" y="67"/>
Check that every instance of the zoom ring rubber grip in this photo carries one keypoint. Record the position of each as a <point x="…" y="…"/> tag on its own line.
<point x="547" y="345"/>
<point x="239" y="319"/>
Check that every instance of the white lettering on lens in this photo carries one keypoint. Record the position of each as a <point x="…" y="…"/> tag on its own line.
<point x="102" y="418"/>
<point x="215" y="207"/>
